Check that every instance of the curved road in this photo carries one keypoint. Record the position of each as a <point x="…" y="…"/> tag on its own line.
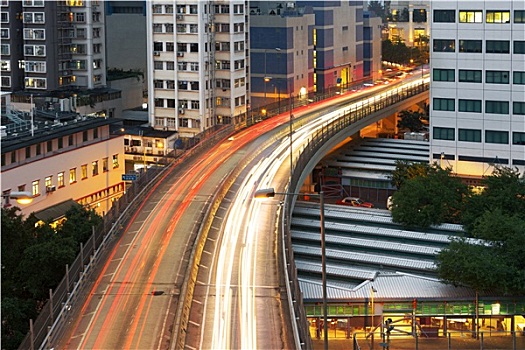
<point x="132" y="303"/>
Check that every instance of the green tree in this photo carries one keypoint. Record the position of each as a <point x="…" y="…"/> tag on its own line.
<point x="496" y="217"/>
<point x="406" y="170"/>
<point x="428" y="196"/>
<point x="504" y="189"/>
<point x="33" y="261"/>
<point x="411" y="120"/>
<point x="379" y="8"/>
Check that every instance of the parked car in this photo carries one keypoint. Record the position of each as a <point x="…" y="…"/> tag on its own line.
<point x="389" y="203"/>
<point x="354" y="202"/>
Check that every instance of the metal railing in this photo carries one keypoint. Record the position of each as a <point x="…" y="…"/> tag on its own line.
<point x="48" y="326"/>
<point x="317" y="140"/>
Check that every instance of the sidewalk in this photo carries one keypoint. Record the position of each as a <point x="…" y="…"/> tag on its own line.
<point x="489" y="343"/>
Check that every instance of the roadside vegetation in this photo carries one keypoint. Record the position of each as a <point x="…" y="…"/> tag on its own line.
<point x="34" y="259"/>
<point x="428" y="195"/>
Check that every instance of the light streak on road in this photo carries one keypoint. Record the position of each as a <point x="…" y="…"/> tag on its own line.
<point x="237" y="255"/>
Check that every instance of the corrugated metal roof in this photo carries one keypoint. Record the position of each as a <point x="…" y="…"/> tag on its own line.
<point x="367" y="243"/>
<point x="396" y="286"/>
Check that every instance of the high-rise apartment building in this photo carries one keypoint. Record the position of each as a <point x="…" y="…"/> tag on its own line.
<point x="52" y="45"/>
<point x="477" y="95"/>
<point x="198" y="64"/>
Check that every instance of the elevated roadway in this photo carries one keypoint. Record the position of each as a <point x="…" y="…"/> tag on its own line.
<point x="198" y="266"/>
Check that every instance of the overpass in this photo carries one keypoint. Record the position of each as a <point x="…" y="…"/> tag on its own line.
<point x="344" y="121"/>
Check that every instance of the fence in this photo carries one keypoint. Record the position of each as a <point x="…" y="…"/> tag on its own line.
<point x="452" y="340"/>
<point x="48" y="326"/>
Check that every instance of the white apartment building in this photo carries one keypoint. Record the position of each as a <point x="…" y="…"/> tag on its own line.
<point x="477" y="95"/>
<point x="198" y="64"/>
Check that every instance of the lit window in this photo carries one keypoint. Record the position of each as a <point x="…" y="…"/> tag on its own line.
<point x="35" y="187"/>
<point x="105" y="165"/>
<point x="60" y="179"/>
<point x="115" y="161"/>
<point x="83" y="171"/>
<point x="72" y="175"/>
<point x="470" y="16"/>
<point x="498" y="16"/>
<point x="94" y="168"/>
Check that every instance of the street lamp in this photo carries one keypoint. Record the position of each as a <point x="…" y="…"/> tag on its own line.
<point x="21" y="197"/>
<point x="267" y="78"/>
<point x="270" y="193"/>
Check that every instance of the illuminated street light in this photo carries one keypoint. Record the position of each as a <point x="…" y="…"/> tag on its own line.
<point x="270" y="193"/>
<point x="21" y="197"/>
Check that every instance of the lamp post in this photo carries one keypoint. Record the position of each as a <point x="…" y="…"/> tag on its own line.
<point x="270" y="193"/>
<point x="267" y="78"/>
<point x="21" y="197"/>
<point x="372" y="293"/>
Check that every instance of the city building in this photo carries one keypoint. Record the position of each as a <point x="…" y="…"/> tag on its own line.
<point x="338" y="43"/>
<point x="281" y="46"/>
<point x="409" y="23"/>
<point x="198" y="64"/>
<point x="58" y="157"/>
<point x="477" y="94"/>
<point x="52" y="45"/>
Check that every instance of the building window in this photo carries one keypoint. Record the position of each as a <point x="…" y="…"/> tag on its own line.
<point x="35" y="83"/>
<point x="518" y="108"/>
<point x="4" y="17"/>
<point x="4" y="33"/>
<point x="498" y="16"/>
<point x="95" y="133"/>
<point x="48" y="181"/>
<point x="467" y="16"/>
<point x="501" y="137"/>
<point x="443" y="75"/>
<point x="70" y="140"/>
<point x="72" y="175"/>
<point x="442" y="45"/>
<point x="498" y="46"/>
<point x="170" y="47"/>
<point x="158" y="84"/>
<point x="84" y="136"/>
<point x="193" y="9"/>
<point x="444" y="104"/>
<point x="497" y="77"/>
<point x="115" y="161"/>
<point x="158" y="65"/>
<point x="518" y="138"/>
<point x="38" y="149"/>
<point x="443" y="134"/>
<point x="472" y="106"/>
<point x="469" y="135"/>
<point x="519" y="47"/>
<point x="28" y="152"/>
<point x="469" y="76"/>
<point x="50" y="146"/>
<point x="60" y="179"/>
<point x="444" y="16"/>
<point x="471" y="46"/>
<point x="83" y="171"/>
<point x="35" y="188"/>
<point x="94" y="168"/>
<point x="497" y="107"/>
<point x="519" y="16"/>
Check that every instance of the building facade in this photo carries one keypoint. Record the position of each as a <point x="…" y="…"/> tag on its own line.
<point x="410" y="23"/>
<point x="477" y="95"/>
<point x="198" y="64"/>
<point x="281" y="51"/>
<point x="76" y="158"/>
<point x="52" y="45"/>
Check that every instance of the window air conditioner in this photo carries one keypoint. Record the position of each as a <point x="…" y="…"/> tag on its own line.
<point x="180" y="54"/>
<point x="156" y="53"/>
<point x="181" y="110"/>
<point x="51" y="188"/>
<point x="180" y="17"/>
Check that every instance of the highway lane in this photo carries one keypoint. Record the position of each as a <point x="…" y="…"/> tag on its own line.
<point x="237" y="302"/>
<point x="132" y="304"/>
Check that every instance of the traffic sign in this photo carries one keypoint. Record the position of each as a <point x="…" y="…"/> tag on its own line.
<point x="129" y="177"/>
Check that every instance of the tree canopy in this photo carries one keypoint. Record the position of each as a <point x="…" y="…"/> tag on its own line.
<point x="33" y="261"/>
<point x="411" y="120"/>
<point x="489" y="256"/>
